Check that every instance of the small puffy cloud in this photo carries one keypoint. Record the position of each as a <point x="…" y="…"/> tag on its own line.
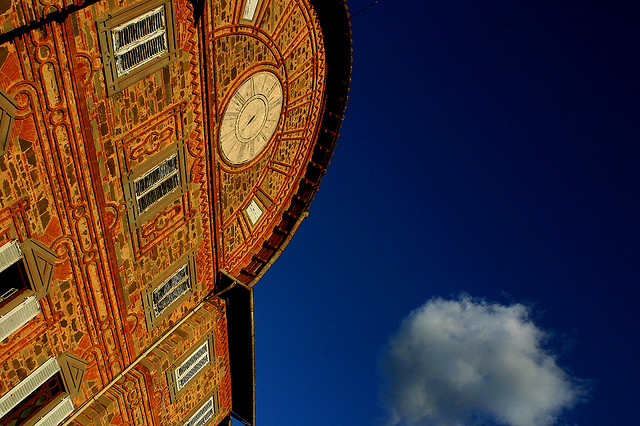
<point x="466" y="361"/>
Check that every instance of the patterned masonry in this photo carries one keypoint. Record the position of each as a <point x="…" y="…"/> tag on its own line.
<point x="130" y="238"/>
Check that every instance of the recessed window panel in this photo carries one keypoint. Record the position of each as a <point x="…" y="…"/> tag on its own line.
<point x="249" y="9"/>
<point x="171" y="290"/>
<point x="204" y="414"/>
<point x="11" y="321"/>
<point x="192" y="365"/>
<point x="136" y="41"/>
<point x="13" y="276"/>
<point x="254" y="212"/>
<point x="18" y="304"/>
<point x="9" y="254"/>
<point x="139" y="41"/>
<point x="35" y="401"/>
<point x="29" y="388"/>
<point x="157" y="183"/>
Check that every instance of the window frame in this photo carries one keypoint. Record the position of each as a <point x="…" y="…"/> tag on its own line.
<point x="58" y="406"/>
<point x="46" y="412"/>
<point x="40" y="375"/>
<point x="106" y="24"/>
<point x="37" y="263"/>
<point x="135" y="218"/>
<point x="147" y="297"/>
<point x="249" y="9"/>
<point x="11" y="256"/>
<point x="216" y="408"/>
<point x="31" y="401"/>
<point x="174" y="393"/>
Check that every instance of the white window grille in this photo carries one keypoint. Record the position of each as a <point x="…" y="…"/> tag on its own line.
<point x="11" y="284"/>
<point x="194" y="364"/>
<point x="171" y="290"/>
<point x="57" y="413"/>
<point x="157" y="183"/>
<point x="249" y="9"/>
<point x="203" y="415"/>
<point x="139" y="40"/>
<point x="10" y="253"/>
<point x="254" y="212"/>
<point x="18" y="316"/>
<point x="32" y="382"/>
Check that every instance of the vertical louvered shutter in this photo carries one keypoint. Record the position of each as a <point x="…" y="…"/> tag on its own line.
<point x="18" y="316"/>
<point x="139" y="40"/>
<point x="171" y="290"/>
<point x="32" y="382"/>
<point x="189" y="368"/>
<point x="57" y="413"/>
<point x="203" y="415"/>
<point x="157" y="183"/>
<point x="10" y="253"/>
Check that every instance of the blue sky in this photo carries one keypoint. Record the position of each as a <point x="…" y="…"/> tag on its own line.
<point x="490" y="149"/>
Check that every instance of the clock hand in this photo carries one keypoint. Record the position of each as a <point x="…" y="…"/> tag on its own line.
<point x="249" y="122"/>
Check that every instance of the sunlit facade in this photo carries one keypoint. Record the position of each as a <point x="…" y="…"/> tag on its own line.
<point x="155" y="159"/>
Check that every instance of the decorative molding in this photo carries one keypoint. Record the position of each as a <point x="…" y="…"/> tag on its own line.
<point x="142" y="149"/>
<point x="7" y="115"/>
<point x="73" y="369"/>
<point x="39" y="262"/>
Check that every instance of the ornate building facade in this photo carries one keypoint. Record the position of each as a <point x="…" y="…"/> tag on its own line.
<point x="156" y="157"/>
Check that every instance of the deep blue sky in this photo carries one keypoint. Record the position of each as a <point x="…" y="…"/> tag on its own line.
<point x="489" y="148"/>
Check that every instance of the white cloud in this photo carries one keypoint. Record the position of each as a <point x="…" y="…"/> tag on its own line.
<point x="465" y="361"/>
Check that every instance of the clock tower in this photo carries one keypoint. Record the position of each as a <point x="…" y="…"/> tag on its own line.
<point x="156" y="157"/>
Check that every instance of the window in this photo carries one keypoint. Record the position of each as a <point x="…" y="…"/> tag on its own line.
<point x="41" y="399"/>
<point x="55" y="412"/>
<point x="184" y="372"/>
<point x="19" y="311"/>
<point x="249" y="9"/>
<point x="157" y="183"/>
<point x="204" y="413"/>
<point x="139" y="41"/>
<point x="14" y="276"/>
<point x="192" y="365"/>
<point x="170" y="290"/>
<point x="136" y="42"/>
<point x="253" y="212"/>
<point x="26" y="271"/>
<point x="153" y="185"/>
<point x="35" y="401"/>
<point x="7" y="114"/>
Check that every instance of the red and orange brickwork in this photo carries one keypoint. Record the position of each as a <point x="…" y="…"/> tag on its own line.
<point x="70" y="164"/>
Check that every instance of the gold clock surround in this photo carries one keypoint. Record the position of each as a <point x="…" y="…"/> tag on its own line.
<point x="251" y="117"/>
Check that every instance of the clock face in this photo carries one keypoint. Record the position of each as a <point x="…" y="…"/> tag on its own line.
<point x="251" y="117"/>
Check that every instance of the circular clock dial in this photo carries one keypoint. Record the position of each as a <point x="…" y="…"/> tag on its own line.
<point x="251" y="117"/>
